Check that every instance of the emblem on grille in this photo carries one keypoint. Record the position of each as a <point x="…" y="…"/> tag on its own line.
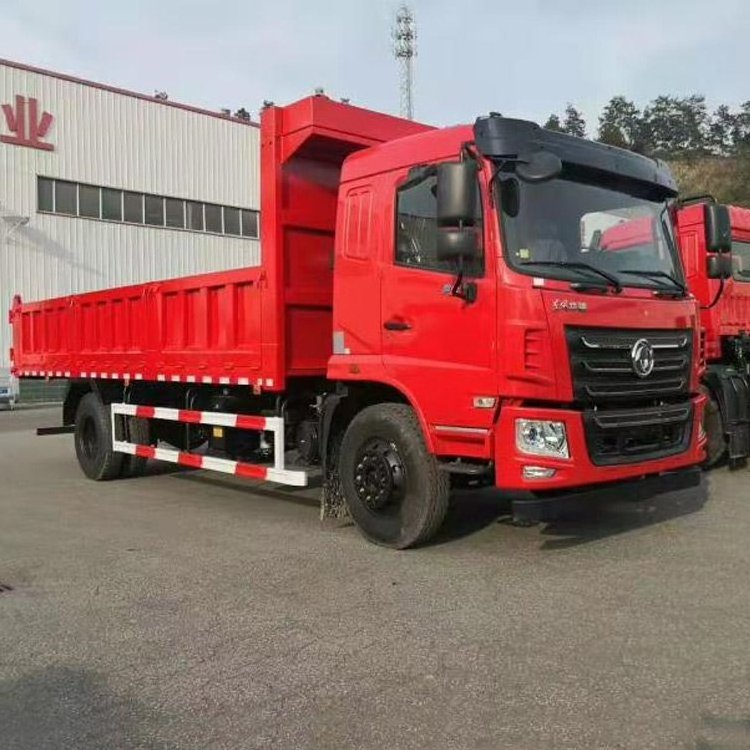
<point x="642" y="357"/>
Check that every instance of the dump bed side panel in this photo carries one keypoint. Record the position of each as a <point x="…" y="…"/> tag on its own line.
<point x="196" y="329"/>
<point x="255" y="326"/>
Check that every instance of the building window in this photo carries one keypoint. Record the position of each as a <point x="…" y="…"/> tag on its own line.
<point x="133" y="207"/>
<point x="45" y="196"/>
<point x="66" y="198"/>
<point x="175" y="212"/>
<point x="249" y="223"/>
<point x="88" y="201"/>
<point x="195" y="216"/>
<point x="213" y="218"/>
<point x="154" y="210"/>
<point x="231" y="220"/>
<point x="111" y="204"/>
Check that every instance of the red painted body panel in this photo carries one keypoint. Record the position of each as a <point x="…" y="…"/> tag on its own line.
<point x="731" y="314"/>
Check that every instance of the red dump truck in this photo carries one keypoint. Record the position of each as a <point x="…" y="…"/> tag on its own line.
<point x="431" y="304"/>
<point x="725" y="325"/>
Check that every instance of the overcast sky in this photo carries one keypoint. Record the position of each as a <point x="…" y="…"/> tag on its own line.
<point x="524" y="58"/>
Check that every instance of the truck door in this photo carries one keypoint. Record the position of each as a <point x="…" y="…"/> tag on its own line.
<point x="440" y="348"/>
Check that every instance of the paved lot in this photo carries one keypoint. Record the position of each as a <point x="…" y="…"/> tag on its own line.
<point x="182" y="610"/>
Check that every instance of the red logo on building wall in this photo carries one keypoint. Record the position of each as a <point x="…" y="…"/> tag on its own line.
<point x="28" y="126"/>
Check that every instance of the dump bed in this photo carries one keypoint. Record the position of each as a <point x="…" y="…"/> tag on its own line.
<point x="254" y="326"/>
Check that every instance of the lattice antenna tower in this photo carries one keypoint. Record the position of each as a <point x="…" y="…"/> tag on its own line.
<point x="404" y="35"/>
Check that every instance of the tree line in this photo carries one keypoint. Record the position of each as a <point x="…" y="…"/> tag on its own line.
<point x="668" y="127"/>
<point x="708" y="151"/>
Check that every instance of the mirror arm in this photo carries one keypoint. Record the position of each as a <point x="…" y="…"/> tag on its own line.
<point x="464" y="291"/>
<point x="716" y="299"/>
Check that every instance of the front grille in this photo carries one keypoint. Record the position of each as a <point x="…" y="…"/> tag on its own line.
<point x="602" y="365"/>
<point x="629" y="435"/>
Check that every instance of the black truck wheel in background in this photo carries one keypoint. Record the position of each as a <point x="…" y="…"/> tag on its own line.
<point x="395" y="492"/>
<point x="93" y="440"/>
<point x="713" y="425"/>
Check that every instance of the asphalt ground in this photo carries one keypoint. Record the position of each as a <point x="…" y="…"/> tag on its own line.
<point x="189" y="610"/>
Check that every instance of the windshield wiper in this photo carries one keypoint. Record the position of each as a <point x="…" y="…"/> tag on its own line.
<point x="578" y="266"/>
<point x="658" y="275"/>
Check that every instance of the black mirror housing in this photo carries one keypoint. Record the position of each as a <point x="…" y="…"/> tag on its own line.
<point x="457" y="244"/>
<point x="719" y="266"/>
<point x="457" y="193"/>
<point x="718" y="229"/>
<point x="541" y="166"/>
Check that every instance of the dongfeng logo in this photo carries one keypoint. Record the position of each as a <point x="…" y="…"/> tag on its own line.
<point x="642" y="357"/>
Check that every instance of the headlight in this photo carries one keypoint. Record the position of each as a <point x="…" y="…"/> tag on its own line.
<point x="538" y="438"/>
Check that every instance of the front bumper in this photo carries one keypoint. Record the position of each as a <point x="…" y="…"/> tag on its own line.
<point x="579" y="470"/>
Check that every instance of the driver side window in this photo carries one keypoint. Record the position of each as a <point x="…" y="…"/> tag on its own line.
<point x="416" y="229"/>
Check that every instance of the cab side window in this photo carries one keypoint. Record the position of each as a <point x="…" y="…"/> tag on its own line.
<point x="416" y="229"/>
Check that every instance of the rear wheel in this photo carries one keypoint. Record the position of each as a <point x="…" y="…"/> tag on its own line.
<point x="713" y="425"/>
<point x="93" y="440"/>
<point x="392" y="485"/>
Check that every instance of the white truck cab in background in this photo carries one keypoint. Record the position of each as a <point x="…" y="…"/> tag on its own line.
<point x="8" y="389"/>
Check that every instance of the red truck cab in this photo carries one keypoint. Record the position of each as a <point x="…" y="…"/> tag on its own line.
<point x="725" y="327"/>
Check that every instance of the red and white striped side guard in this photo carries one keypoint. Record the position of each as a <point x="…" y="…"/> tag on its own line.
<point x="277" y="473"/>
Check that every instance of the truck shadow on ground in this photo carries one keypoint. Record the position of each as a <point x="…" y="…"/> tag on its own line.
<point x="65" y="708"/>
<point x="565" y="520"/>
<point x="574" y="518"/>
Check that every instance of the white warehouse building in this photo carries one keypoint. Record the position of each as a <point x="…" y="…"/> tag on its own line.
<point x="103" y="187"/>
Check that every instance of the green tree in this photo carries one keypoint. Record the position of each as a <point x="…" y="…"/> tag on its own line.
<point x="574" y="124"/>
<point x="620" y="124"/>
<point x="677" y="127"/>
<point x="741" y="130"/>
<point x="722" y="130"/>
<point x="553" y="123"/>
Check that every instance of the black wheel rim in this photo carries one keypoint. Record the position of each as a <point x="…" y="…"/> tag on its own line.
<point x="380" y="477"/>
<point x="89" y="439"/>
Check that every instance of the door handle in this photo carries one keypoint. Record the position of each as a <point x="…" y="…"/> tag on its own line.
<point x="396" y="325"/>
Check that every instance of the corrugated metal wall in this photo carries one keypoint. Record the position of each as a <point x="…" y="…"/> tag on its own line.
<point x="115" y="140"/>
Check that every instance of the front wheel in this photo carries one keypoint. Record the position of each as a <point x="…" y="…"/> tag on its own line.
<point x="393" y="487"/>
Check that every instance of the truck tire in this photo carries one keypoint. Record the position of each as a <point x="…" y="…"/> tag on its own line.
<point x="395" y="492"/>
<point x="713" y="425"/>
<point x="93" y="440"/>
<point x="138" y="432"/>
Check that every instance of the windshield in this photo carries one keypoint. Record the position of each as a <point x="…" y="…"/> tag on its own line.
<point x="556" y="228"/>
<point x="741" y="260"/>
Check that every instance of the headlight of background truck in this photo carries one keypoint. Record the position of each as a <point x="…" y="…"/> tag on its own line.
<point x="540" y="438"/>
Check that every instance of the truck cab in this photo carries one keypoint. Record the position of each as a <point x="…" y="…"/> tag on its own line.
<point x="554" y="350"/>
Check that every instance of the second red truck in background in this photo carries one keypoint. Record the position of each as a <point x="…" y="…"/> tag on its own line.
<point x="725" y="326"/>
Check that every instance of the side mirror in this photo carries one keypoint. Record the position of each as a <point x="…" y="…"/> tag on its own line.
<point x="718" y="229"/>
<point x="541" y="166"/>
<point x="457" y="193"/>
<point x="719" y="266"/>
<point x="455" y="244"/>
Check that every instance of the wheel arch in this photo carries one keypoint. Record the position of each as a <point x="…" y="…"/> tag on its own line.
<point x="352" y="397"/>
<point x="108" y="391"/>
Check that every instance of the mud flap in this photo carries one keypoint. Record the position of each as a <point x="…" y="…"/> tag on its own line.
<point x="333" y="508"/>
